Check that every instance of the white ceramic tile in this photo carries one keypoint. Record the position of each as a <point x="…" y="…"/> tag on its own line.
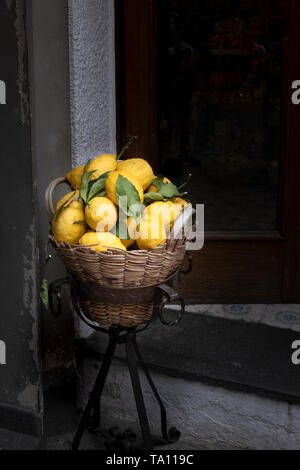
<point x="282" y="316"/>
<point x="279" y="316"/>
<point x="248" y="313"/>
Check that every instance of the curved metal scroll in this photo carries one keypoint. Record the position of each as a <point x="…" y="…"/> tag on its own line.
<point x="55" y="291"/>
<point x="170" y="296"/>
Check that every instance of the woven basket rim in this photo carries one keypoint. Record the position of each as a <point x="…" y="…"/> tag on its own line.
<point x="111" y="250"/>
<point x="113" y="288"/>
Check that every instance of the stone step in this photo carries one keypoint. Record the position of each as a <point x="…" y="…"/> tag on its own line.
<point x="208" y="416"/>
<point x="62" y="419"/>
<point x="16" y="441"/>
<point x="226" y="384"/>
<point x="251" y="357"/>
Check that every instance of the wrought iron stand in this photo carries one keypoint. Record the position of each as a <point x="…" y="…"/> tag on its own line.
<point x="91" y="416"/>
<point x="163" y="294"/>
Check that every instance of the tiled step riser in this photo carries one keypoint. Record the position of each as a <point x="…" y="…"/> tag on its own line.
<point x="277" y="316"/>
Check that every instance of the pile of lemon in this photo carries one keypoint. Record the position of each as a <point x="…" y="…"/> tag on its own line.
<point x="117" y="204"/>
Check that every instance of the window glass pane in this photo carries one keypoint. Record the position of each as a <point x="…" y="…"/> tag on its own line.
<point x="220" y="68"/>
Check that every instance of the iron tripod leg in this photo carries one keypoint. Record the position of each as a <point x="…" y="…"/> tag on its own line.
<point x="94" y="400"/>
<point x="91" y="416"/>
<point x="171" y="435"/>
<point x="137" y="390"/>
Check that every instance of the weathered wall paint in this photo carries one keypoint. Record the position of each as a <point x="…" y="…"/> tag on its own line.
<point x="20" y="382"/>
<point x="92" y="77"/>
<point x="51" y="146"/>
<point x="22" y="63"/>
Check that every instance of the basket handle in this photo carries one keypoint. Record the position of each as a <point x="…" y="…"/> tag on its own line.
<point x="170" y="296"/>
<point x="49" y="195"/>
<point x="54" y="290"/>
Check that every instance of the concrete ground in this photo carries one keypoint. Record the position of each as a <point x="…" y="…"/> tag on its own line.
<point x="261" y="394"/>
<point x="61" y="420"/>
<point x="62" y="417"/>
<point x="14" y="441"/>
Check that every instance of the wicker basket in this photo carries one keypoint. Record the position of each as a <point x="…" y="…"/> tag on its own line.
<point x="117" y="269"/>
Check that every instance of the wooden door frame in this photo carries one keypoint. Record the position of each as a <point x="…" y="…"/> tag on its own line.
<point x="136" y="86"/>
<point x="270" y="260"/>
<point x="289" y="206"/>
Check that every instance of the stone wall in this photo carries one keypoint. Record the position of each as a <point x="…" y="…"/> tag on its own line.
<point x="92" y="78"/>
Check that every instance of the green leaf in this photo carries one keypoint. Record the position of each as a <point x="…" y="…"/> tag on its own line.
<point x="158" y="182"/>
<point x="85" y="186"/>
<point x="152" y="197"/>
<point x="97" y="187"/>
<point x="85" y="182"/>
<point x="125" y="189"/>
<point x="117" y="230"/>
<point x="167" y="190"/>
<point x="44" y="293"/>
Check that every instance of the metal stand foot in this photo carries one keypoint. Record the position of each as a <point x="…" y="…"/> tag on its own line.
<point x="171" y="435"/>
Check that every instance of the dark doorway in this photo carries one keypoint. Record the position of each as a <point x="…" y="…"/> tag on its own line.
<point x="207" y="87"/>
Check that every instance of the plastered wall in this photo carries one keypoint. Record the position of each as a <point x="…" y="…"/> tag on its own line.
<point x="92" y="78"/>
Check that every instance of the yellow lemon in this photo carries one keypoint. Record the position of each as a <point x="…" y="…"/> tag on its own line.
<point x="63" y="227"/>
<point x="75" y="176"/>
<point x="111" y="185"/>
<point x="152" y="234"/>
<point x="140" y="168"/>
<point x="163" y="212"/>
<point x="181" y="202"/>
<point x="127" y="243"/>
<point x="101" y="214"/>
<point x="101" y="165"/>
<point x="175" y="211"/>
<point x="153" y="189"/>
<point x="103" y="241"/>
<point x="68" y="197"/>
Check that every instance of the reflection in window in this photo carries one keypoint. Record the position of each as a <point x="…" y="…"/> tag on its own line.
<point x="220" y="85"/>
